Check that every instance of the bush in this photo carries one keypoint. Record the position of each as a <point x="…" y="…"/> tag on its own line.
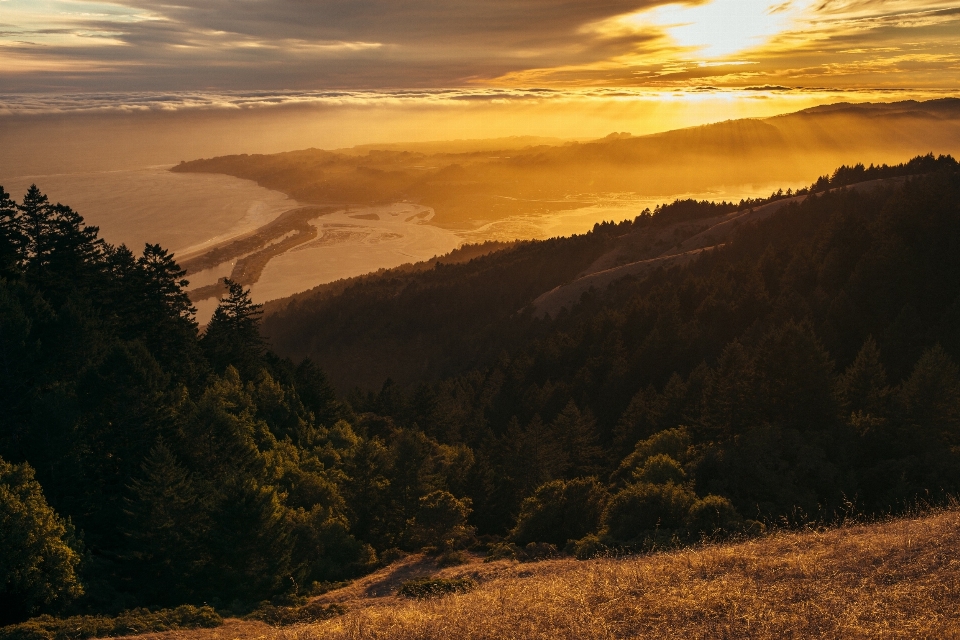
<point x="660" y="469"/>
<point x="320" y="588"/>
<point x="441" y="522"/>
<point x="285" y="616"/>
<point x="713" y="515"/>
<point x="644" y="510"/>
<point x="504" y="551"/>
<point x="133" y="622"/>
<point x="674" y="443"/>
<point x="452" y="559"/>
<point x="560" y="511"/>
<point x="421" y="588"/>
<point x="647" y="512"/>
<point x="539" y="551"/>
<point x="392" y="555"/>
<point x="587" y="547"/>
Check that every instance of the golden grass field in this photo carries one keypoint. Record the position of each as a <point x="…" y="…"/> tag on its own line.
<point x="895" y="579"/>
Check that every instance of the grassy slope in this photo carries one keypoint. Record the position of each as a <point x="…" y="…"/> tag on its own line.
<point x="897" y="579"/>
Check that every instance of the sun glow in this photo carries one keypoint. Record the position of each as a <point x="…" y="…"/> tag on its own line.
<point x="722" y="27"/>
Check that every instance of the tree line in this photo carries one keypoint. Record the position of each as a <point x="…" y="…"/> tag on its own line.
<point x="806" y="368"/>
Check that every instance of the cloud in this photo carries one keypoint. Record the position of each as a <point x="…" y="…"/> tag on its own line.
<point x="167" y="45"/>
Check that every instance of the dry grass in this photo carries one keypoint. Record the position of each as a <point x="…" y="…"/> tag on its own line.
<point x="898" y="579"/>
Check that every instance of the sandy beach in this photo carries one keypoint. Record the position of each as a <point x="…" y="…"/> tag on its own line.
<point x="181" y="212"/>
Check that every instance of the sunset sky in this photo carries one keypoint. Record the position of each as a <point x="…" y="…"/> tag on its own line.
<point x="196" y="45"/>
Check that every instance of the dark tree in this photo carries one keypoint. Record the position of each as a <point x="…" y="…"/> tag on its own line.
<point x="11" y="236"/>
<point x="233" y="335"/>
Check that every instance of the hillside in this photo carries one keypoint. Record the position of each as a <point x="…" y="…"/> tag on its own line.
<point x="802" y="367"/>
<point x="440" y="319"/>
<point x="895" y="579"/>
<point x="468" y="185"/>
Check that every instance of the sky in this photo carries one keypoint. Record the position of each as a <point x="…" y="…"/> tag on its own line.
<point x="295" y="47"/>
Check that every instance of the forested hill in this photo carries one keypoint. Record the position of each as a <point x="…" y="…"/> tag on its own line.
<point x="804" y="368"/>
<point x="808" y="361"/>
<point x="426" y="322"/>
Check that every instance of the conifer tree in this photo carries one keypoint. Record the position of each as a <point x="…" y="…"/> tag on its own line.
<point x="233" y="335"/>
<point x="122" y="306"/>
<point x="577" y="434"/>
<point x="316" y="393"/>
<point x="36" y="228"/>
<point x="57" y="248"/>
<point x="249" y="542"/>
<point x="165" y="319"/>
<point x="167" y="520"/>
<point x="531" y="456"/>
<point x="863" y="386"/>
<point x="74" y="246"/>
<point x="729" y="399"/>
<point x="11" y="237"/>
<point x="930" y="401"/>
<point x="795" y="374"/>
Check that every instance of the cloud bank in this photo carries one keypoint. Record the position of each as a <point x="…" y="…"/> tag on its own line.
<point x="269" y="45"/>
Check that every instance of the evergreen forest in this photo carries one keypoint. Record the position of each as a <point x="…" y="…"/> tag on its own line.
<point x="803" y="371"/>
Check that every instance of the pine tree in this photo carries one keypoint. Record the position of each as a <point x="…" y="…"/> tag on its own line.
<point x="167" y="521"/>
<point x="249" y="542"/>
<point x="316" y="393"/>
<point x="930" y="401"/>
<point x="795" y="379"/>
<point x="532" y="455"/>
<point x="74" y="247"/>
<point x="730" y="399"/>
<point x="164" y="284"/>
<point x="11" y="237"/>
<point x="233" y="335"/>
<point x="166" y="316"/>
<point x="577" y="434"/>
<point x="863" y="386"/>
<point x="57" y="248"/>
<point x="37" y="229"/>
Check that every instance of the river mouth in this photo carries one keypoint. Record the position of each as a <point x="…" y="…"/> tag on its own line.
<point x="220" y="226"/>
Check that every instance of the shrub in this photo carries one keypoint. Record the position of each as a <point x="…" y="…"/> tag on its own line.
<point x="133" y="622"/>
<point x="712" y="515"/>
<point x="421" y="588"/>
<point x="441" y="522"/>
<point x="674" y="443"/>
<point x="504" y="551"/>
<point x="660" y="469"/>
<point x="285" y="616"/>
<point x="587" y="547"/>
<point x="320" y="588"/>
<point x="642" y="510"/>
<point x="560" y="511"/>
<point x="392" y="555"/>
<point x="539" y="551"/>
<point x="452" y="559"/>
